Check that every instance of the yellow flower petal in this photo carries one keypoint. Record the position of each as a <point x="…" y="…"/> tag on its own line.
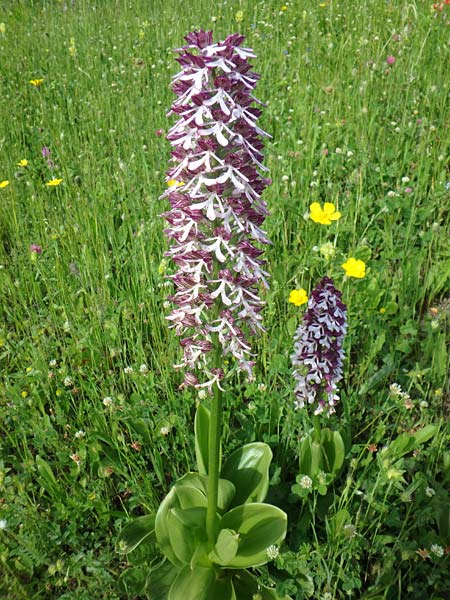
<point x="354" y="268"/>
<point x="23" y="162"/>
<point x="4" y="183"/>
<point x="324" y="215"/>
<point x="53" y="182"/>
<point x="36" y="82"/>
<point x="298" y="297"/>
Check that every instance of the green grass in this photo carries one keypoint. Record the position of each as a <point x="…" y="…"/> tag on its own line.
<point x="347" y="128"/>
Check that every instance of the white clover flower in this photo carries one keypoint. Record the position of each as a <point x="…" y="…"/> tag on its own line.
<point x="53" y="362"/>
<point x="80" y="434"/>
<point x="429" y="492"/>
<point x="128" y="370"/>
<point x="143" y="369"/>
<point x="306" y="482"/>
<point x="437" y="550"/>
<point x="3" y="524"/>
<point x="164" y="430"/>
<point x="272" y="552"/>
<point x="68" y="381"/>
<point x="107" y="401"/>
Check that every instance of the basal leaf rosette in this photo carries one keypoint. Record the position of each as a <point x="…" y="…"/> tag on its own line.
<point x="216" y="208"/>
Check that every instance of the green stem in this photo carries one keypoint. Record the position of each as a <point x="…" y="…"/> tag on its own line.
<point x="214" y="464"/>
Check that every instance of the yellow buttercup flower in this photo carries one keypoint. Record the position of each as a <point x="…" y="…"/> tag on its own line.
<point x="354" y="268"/>
<point x="298" y="297"/>
<point x="174" y="183"/>
<point x="54" y="182"/>
<point x="36" y="82"/>
<point x="22" y="163"/>
<point x="239" y="16"/>
<point x="324" y="215"/>
<point x="4" y="183"/>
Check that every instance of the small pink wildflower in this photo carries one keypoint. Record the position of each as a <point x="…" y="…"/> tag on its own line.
<point x="390" y="60"/>
<point x="35" y="248"/>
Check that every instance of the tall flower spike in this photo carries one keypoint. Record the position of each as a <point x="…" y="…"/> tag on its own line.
<point x="318" y="354"/>
<point x="216" y="213"/>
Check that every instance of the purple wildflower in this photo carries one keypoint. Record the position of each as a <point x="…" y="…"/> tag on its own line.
<point x="35" y="248"/>
<point x="318" y="354"/>
<point x="216" y="206"/>
<point x="46" y="152"/>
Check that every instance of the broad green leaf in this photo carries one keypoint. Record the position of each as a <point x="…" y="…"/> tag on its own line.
<point x="189" y="494"/>
<point x="186" y="531"/>
<point x="311" y="459"/>
<point x="190" y="497"/>
<point x="200" y="482"/>
<point x="333" y="450"/>
<point x="201" y="428"/>
<point x="162" y="529"/>
<point x="403" y="444"/>
<point x="200" y="557"/>
<point x="226" y="547"/>
<point x="247" y="588"/>
<point x="424" y="434"/>
<point x="139" y="530"/>
<point x="159" y="580"/>
<point x="248" y="469"/>
<point x="259" y="526"/>
<point x="202" y="584"/>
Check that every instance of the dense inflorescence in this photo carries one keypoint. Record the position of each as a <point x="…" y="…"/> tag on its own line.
<point x="318" y="354"/>
<point x="216" y="210"/>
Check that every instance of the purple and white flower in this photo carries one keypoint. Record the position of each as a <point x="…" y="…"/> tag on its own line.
<point x="318" y="354"/>
<point x="216" y="208"/>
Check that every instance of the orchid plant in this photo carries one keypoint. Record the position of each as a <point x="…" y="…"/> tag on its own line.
<point x="317" y="362"/>
<point x="213" y="525"/>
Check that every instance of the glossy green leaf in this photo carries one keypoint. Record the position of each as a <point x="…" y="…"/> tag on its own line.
<point x="188" y="494"/>
<point x="141" y="529"/>
<point x="333" y="449"/>
<point x="247" y="588"/>
<point x="200" y="482"/>
<point x="225" y="548"/>
<point x="259" y="526"/>
<point x="162" y="529"/>
<point x="190" y="497"/>
<point x="311" y="461"/>
<point x="186" y="529"/>
<point x="202" y="584"/>
<point x="248" y="469"/>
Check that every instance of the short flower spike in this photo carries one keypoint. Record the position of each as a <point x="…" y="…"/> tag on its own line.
<point x="318" y="354"/>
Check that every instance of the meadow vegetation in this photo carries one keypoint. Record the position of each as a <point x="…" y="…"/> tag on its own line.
<point x="93" y="425"/>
